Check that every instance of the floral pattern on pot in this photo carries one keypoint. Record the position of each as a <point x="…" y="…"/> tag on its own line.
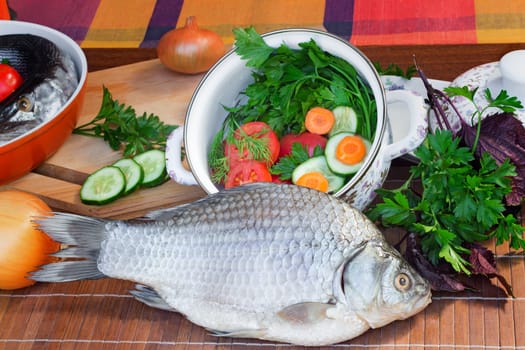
<point x="363" y="192"/>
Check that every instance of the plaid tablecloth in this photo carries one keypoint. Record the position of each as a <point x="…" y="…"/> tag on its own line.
<point x="140" y="23"/>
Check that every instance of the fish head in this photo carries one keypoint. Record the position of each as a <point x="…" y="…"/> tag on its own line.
<point x="19" y="107"/>
<point x="17" y="116"/>
<point x="29" y="106"/>
<point x="381" y="287"/>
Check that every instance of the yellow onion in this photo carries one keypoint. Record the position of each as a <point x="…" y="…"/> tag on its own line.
<point x="22" y="247"/>
<point x="190" y="49"/>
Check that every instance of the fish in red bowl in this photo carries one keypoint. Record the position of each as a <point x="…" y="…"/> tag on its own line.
<point x="43" y="76"/>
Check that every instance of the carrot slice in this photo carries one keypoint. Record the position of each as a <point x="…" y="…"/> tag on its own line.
<point x="315" y="180"/>
<point x="319" y="120"/>
<point x="351" y="150"/>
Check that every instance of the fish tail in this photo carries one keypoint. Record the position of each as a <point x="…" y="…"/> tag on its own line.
<point x="80" y="238"/>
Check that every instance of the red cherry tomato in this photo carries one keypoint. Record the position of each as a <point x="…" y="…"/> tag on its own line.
<point x="277" y="180"/>
<point x="10" y="80"/>
<point x="259" y="130"/>
<point x="306" y="139"/>
<point x="247" y="171"/>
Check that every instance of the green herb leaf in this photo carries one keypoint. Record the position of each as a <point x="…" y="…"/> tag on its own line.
<point x="287" y="164"/>
<point x="218" y="163"/>
<point x="394" y="211"/>
<point x="460" y="202"/>
<point x="288" y="82"/>
<point x="461" y="91"/>
<point x="503" y="101"/>
<point x="251" y="47"/>
<point x="394" y="69"/>
<point x="120" y="127"/>
<point x="452" y="254"/>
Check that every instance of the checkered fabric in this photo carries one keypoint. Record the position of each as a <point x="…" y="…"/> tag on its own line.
<point x="140" y="23"/>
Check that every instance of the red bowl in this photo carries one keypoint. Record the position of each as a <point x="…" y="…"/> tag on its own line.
<point x="26" y="152"/>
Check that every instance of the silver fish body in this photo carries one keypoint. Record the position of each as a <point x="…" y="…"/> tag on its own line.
<point x="50" y="78"/>
<point x="275" y="262"/>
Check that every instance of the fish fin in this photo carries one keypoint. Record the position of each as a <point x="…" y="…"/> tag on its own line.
<point x="66" y="271"/>
<point x="169" y="213"/>
<point x="150" y="297"/>
<point x="162" y="214"/>
<point x="241" y="333"/>
<point x="81" y="236"/>
<point x="307" y="312"/>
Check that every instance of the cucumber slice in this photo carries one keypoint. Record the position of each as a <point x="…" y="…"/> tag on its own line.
<point x="153" y="162"/>
<point x="336" y="165"/>
<point x="345" y="120"/>
<point x="103" y="186"/>
<point x="132" y="171"/>
<point x="319" y="164"/>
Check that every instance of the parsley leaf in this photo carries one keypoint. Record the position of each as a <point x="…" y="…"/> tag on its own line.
<point x="461" y="91"/>
<point x="503" y="101"/>
<point x="120" y="127"/>
<point x="287" y="164"/>
<point x="394" y="69"/>
<point x="288" y="82"/>
<point x="251" y="47"/>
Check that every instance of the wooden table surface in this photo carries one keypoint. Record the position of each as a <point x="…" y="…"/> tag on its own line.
<point x="102" y="315"/>
<point x="443" y="62"/>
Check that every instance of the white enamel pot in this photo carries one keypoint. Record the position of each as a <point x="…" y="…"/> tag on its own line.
<point x="229" y="76"/>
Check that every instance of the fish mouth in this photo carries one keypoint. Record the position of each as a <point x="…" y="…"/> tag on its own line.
<point x="423" y="301"/>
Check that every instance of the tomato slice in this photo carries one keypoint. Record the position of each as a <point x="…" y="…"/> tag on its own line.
<point x="247" y="171"/>
<point x="277" y="180"/>
<point x="306" y="139"/>
<point x="260" y="130"/>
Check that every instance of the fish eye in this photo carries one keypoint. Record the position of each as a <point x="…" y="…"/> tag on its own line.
<point x="24" y="104"/>
<point x="402" y="282"/>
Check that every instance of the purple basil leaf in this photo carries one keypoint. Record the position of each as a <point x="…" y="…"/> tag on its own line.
<point x="439" y="281"/>
<point x="484" y="263"/>
<point x="503" y="136"/>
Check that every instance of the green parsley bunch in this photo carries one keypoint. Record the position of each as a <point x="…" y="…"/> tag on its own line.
<point x="455" y="195"/>
<point x="458" y="201"/>
<point x="120" y="126"/>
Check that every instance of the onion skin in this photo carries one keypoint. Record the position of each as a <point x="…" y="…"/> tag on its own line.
<point x="190" y="49"/>
<point x="22" y="247"/>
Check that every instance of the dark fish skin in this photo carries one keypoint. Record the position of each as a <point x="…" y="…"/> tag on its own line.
<point x="49" y="77"/>
<point x="34" y="57"/>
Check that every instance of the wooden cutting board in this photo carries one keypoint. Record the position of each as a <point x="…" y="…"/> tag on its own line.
<point x="147" y="87"/>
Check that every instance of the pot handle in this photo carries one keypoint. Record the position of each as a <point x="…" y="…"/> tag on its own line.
<point x="418" y="118"/>
<point x="174" y="166"/>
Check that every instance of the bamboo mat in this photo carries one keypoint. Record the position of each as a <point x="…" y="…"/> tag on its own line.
<point x="102" y="315"/>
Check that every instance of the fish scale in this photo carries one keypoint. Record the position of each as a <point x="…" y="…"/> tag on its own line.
<point x="201" y="255"/>
<point x="268" y="261"/>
